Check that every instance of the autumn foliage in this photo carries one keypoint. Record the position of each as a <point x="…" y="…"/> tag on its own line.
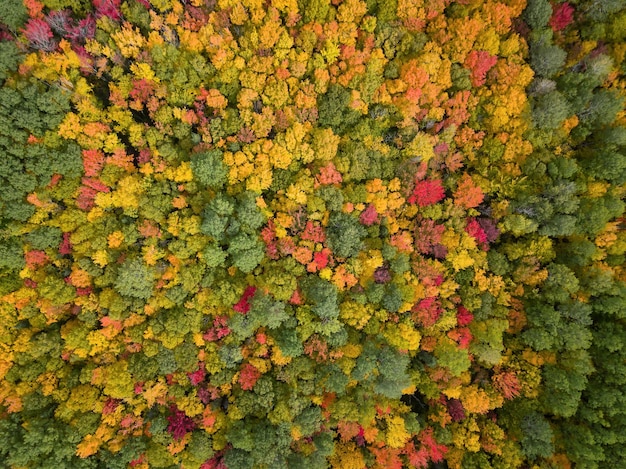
<point x="312" y="233"/>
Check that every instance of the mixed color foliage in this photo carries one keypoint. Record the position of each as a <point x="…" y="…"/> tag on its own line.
<point x="312" y="233"/>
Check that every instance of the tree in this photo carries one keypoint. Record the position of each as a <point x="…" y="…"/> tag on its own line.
<point x="345" y="234"/>
<point x="536" y="436"/>
<point x="14" y="14"/>
<point x="209" y="169"/>
<point x="135" y="279"/>
<point x="550" y="110"/>
<point x="537" y="13"/>
<point x="247" y="251"/>
<point x="334" y="111"/>
<point x="546" y="59"/>
<point x="9" y="58"/>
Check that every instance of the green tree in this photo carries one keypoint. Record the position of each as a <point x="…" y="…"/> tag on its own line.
<point x="209" y="169"/>
<point x="345" y="234"/>
<point x="546" y="59"/>
<point x="135" y="279"/>
<point x="550" y="110"/>
<point x="537" y="436"/>
<point x="9" y="56"/>
<point x="334" y="111"/>
<point x="13" y="13"/>
<point x="537" y="13"/>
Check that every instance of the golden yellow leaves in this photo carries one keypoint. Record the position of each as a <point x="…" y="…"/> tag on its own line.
<point x="238" y="14"/>
<point x="155" y="394"/>
<point x="143" y="71"/>
<point x="129" y="40"/>
<point x="220" y="45"/>
<point x="297" y="193"/>
<point x="100" y="258"/>
<point x="294" y="141"/>
<point x="127" y="195"/>
<point x="241" y="165"/>
<point x="252" y="164"/>
<point x="70" y="128"/>
<point x="436" y="65"/>
<point x="118" y="382"/>
<point x="276" y="92"/>
<point x="402" y="336"/>
<point x="460" y="260"/>
<point x="467" y="436"/>
<point x="396" y="435"/>
<point x="280" y="157"/>
<point x="494" y="284"/>
<point x="383" y="196"/>
<point x="180" y="173"/>
<point x="347" y="456"/>
<point x="355" y="314"/>
<point x="475" y="400"/>
<point x="369" y="261"/>
<point x="269" y="34"/>
<point x="463" y="33"/>
<point x="115" y="239"/>
<point x="422" y="147"/>
<point x="330" y="52"/>
<point x="488" y="40"/>
<point x="88" y="447"/>
<point x="351" y="11"/>
<point x="325" y="144"/>
<point x="190" y="405"/>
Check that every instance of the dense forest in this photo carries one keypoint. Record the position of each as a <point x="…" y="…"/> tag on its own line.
<point x="312" y="234"/>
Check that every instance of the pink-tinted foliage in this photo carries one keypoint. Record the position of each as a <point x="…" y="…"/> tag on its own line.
<point x="562" y="16"/>
<point x="179" y="423"/>
<point x="35" y="258"/>
<point x="109" y="8"/>
<point x="474" y="229"/>
<point x="93" y="162"/>
<point x="196" y="377"/>
<point x="428" y="235"/>
<point x="382" y="275"/>
<point x="313" y="232"/>
<point x="490" y="229"/>
<point x="216" y="462"/>
<point x="65" y="247"/>
<point x="85" y="29"/>
<point x="369" y="216"/>
<point x="220" y="329"/>
<point x="40" y="35"/>
<point x="60" y="21"/>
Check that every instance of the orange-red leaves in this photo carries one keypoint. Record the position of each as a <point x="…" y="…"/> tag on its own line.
<point x="329" y="175"/>
<point x="93" y="162"/>
<point x="35" y="258"/>
<point x="468" y="194"/>
<point x="427" y="311"/>
<point x="248" y="376"/>
<point x="479" y="62"/>
<point x="507" y="383"/>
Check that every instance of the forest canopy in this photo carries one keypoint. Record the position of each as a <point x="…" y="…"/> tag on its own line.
<point x="312" y="234"/>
